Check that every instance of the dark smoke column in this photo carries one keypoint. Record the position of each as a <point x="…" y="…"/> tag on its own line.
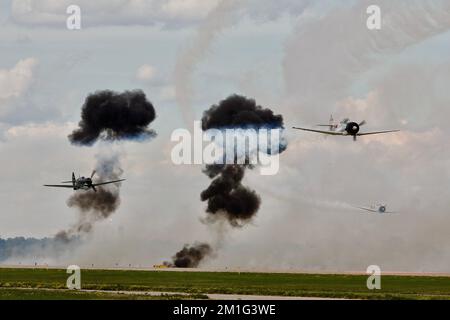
<point x="227" y="198"/>
<point x="226" y="195"/>
<point x="108" y="116"/>
<point x="190" y="256"/>
<point x="114" y="116"/>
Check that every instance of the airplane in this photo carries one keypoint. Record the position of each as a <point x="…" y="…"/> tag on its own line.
<point x="379" y="208"/>
<point x="344" y="128"/>
<point x="82" y="183"/>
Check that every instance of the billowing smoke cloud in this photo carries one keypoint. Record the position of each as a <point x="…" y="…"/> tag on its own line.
<point x="97" y="206"/>
<point x="190" y="256"/>
<point x="226" y="195"/>
<point x="240" y="112"/>
<point x="227" y="198"/>
<point x="109" y="116"/>
<point x="114" y="116"/>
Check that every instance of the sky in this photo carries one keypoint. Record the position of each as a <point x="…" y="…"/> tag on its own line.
<point x="303" y="59"/>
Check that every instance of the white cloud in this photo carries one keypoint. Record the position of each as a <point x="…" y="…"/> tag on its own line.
<point x="116" y="12"/>
<point x="15" y="81"/>
<point x="38" y="131"/>
<point x="146" y="72"/>
<point x="326" y="55"/>
<point x="169" y="13"/>
<point x="188" y="9"/>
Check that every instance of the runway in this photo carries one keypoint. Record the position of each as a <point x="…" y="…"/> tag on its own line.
<point x="233" y="269"/>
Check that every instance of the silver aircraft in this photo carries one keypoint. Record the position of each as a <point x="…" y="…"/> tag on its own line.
<point x="344" y="128"/>
<point x="82" y="183"/>
<point x="378" y="208"/>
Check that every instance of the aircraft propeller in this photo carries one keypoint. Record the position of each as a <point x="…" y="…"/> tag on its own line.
<point x="359" y="124"/>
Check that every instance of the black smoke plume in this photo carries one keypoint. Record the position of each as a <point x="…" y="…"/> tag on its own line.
<point x="114" y="116"/>
<point x="240" y="112"/>
<point x="226" y="195"/>
<point x="227" y="198"/>
<point x="190" y="256"/>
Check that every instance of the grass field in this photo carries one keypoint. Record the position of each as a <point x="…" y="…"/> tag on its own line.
<point x="195" y="283"/>
<point x="63" y="294"/>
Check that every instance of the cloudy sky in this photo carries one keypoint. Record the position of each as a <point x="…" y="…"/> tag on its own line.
<point x="303" y="59"/>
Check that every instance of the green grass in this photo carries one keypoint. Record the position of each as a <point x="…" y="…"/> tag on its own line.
<point x="62" y="294"/>
<point x="312" y="285"/>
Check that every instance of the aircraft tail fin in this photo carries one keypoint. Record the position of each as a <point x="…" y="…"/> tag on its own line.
<point x="331" y="125"/>
<point x="71" y="181"/>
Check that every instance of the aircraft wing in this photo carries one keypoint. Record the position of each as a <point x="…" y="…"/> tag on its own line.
<point x="334" y="133"/>
<point x="376" y="211"/>
<point x="107" y="182"/>
<point x="376" y="132"/>
<point x="59" y="185"/>
<point x="367" y="209"/>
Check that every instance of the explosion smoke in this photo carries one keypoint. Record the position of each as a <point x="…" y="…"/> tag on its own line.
<point x="96" y="206"/>
<point x="228" y="200"/>
<point x="240" y="112"/>
<point x="190" y="256"/>
<point x="109" y="116"/>
<point x="226" y="195"/>
<point x="114" y="116"/>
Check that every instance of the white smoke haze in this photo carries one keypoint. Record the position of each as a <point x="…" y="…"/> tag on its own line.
<point x="408" y="171"/>
<point x="219" y="18"/>
<point x="222" y="17"/>
<point x="328" y="54"/>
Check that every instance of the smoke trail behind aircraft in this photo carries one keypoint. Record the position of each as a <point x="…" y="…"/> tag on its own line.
<point x="220" y="17"/>
<point x="109" y="115"/>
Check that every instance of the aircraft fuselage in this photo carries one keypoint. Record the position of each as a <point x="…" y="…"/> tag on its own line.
<point x="82" y="183"/>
